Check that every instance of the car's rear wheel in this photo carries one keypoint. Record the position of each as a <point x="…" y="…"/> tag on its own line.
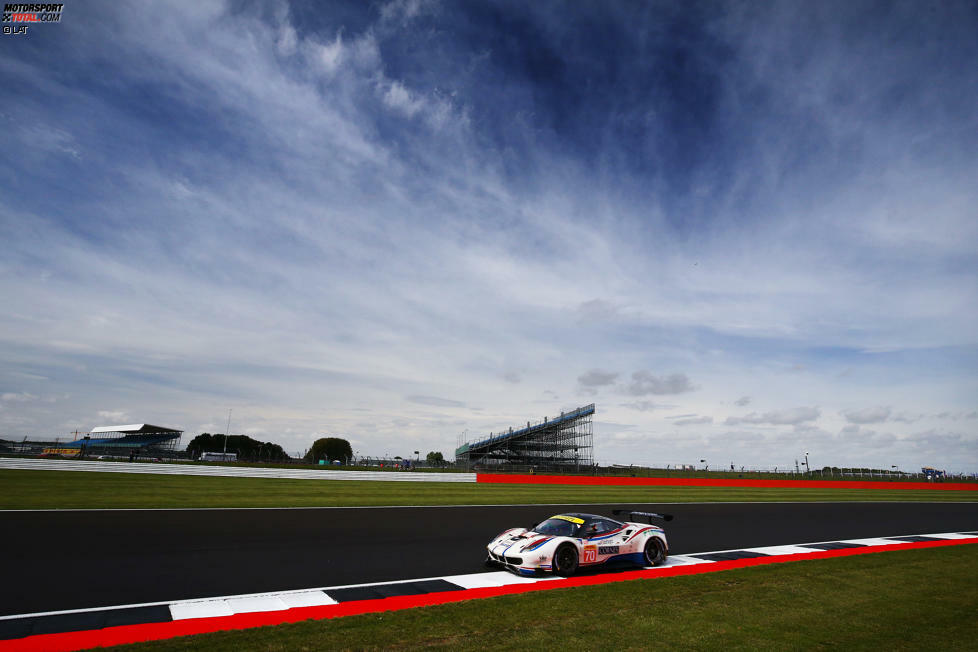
<point x="565" y="560"/>
<point x="655" y="552"/>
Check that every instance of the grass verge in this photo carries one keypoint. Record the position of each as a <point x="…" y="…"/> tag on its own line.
<point x="903" y="600"/>
<point x="24" y="489"/>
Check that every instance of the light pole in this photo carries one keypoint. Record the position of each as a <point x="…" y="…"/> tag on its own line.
<point x="808" y="469"/>
<point x="227" y="429"/>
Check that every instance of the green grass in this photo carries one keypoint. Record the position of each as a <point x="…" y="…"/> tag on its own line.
<point x="23" y="489"/>
<point x="904" y="600"/>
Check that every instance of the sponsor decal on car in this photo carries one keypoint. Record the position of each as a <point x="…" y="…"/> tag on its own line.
<point x="608" y="550"/>
<point x="607" y="535"/>
<point x="590" y="554"/>
<point x="572" y="519"/>
<point x="645" y="529"/>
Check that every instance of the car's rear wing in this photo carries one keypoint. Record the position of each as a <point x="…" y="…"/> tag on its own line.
<point x="649" y="515"/>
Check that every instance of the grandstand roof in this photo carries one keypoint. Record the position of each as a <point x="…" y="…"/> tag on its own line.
<point x="135" y="427"/>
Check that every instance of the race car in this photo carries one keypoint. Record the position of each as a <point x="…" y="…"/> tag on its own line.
<point x="565" y="542"/>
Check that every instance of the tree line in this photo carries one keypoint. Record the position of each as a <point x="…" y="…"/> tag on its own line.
<point x="245" y="447"/>
<point x="328" y="448"/>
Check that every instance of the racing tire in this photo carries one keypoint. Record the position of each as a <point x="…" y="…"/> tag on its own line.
<point x="655" y="552"/>
<point x="565" y="560"/>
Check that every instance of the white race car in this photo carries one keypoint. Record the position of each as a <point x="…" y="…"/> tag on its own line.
<point x="565" y="542"/>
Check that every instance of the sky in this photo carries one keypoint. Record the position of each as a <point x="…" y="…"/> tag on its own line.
<point x="744" y="231"/>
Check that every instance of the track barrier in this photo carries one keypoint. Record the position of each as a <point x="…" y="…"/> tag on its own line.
<point x="503" y="478"/>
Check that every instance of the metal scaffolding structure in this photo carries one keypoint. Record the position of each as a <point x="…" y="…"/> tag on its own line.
<point x="563" y="443"/>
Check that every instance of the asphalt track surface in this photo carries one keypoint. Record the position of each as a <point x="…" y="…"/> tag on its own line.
<point x="72" y="560"/>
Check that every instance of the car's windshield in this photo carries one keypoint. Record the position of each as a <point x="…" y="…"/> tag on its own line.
<point x="560" y="526"/>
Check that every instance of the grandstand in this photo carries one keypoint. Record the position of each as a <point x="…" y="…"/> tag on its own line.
<point x="563" y="443"/>
<point x="123" y="440"/>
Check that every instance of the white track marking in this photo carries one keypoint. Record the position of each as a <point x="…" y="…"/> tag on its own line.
<point x="781" y="550"/>
<point x="202" y="609"/>
<point x="683" y="560"/>
<point x="253" y="605"/>
<point x="485" y="580"/>
<point x="872" y="542"/>
<point x="306" y="599"/>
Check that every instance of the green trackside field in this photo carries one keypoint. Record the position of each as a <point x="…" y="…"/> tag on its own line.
<point x="27" y="489"/>
<point x="901" y="600"/>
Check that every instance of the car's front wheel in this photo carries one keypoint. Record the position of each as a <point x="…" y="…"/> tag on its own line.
<point x="565" y="560"/>
<point x="655" y="552"/>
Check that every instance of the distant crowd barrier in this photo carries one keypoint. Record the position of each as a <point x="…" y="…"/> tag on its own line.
<point x="503" y="478"/>
<point x="228" y="471"/>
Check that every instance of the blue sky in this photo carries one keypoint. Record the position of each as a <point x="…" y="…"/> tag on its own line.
<point x="743" y="231"/>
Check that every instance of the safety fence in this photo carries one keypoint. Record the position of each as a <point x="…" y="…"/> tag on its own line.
<point x="228" y="471"/>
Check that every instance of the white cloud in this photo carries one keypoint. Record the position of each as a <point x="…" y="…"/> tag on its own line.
<point x="646" y="406"/>
<point x="597" y="378"/>
<point x="644" y="383"/>
<point x="18" y="397"/>
<point x="330" y="55"/>
<point x="691" y="421"/>
<point x="868" y="415"/>
<point x="403" y="10"/>
<point x="397" y="97"/>
<point x="790" y="416"/>
<point x="435" y="401"/>
<point x="117" y="416"/>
